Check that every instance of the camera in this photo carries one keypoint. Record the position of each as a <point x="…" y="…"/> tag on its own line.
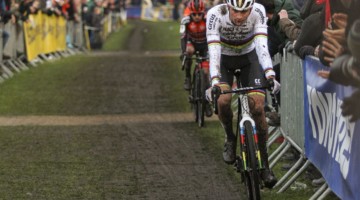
<point x="346" y="68"/>
<point x="346" y="71"/>
<point x="353" y="42"/>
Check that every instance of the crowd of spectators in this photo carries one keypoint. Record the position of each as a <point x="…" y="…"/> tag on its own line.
<point x="83" y="12"/>
<point x="320" y="28"/>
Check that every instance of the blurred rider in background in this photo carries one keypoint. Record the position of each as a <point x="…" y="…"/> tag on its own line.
<point x="193" y="39"/>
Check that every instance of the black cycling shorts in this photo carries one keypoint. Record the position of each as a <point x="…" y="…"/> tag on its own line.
<point x="252" y="73"/>
<point x="202" y="48"/>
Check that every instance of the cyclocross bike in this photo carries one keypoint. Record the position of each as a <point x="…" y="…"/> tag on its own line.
<point x="199" y="85"/>
<point x="248" y="160"/>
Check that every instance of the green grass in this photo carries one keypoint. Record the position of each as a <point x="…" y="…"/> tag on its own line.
<point x="82" y="85"/>
<point x="157" y="36"/>
<point x="117" y="40"/>
<point x="62" y="163"/>
<point x="162" y="36"/>
<point x="40" y="89"/>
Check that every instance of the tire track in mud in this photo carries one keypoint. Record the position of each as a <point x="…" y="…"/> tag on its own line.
<point x="91" y="120"/>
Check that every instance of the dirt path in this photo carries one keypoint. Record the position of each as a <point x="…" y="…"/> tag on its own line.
<point x="157" y="154"/>
<point x="98" y="119"/>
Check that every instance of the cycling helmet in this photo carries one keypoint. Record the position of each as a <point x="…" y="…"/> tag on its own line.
<point x="197" y="6"/>
<point x="240" y="5"/>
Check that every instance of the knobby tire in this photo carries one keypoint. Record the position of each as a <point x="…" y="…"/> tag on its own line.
<point x="194" y="97"/>
<point x="252" y="180"/>
<point x="201" y="97"/>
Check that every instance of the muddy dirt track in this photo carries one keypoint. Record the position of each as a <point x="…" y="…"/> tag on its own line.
<point x="159" y="156"/>
<point x="165" y="160"/>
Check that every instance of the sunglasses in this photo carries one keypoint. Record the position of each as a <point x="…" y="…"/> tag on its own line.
<point x="196" y="14"/>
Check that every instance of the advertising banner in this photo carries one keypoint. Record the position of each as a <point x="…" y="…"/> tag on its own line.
<point x="44" y="34"/>
<point x="332" y="143"/>
<point x="32" y="33"/>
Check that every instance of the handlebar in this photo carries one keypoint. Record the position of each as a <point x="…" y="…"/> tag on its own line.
<point x="197" y="57"/>
<point x="216" y="92"/>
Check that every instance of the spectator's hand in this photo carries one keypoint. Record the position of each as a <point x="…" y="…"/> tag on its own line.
<point x="283" y="14"/>
<point x="15" y="5"/>
<point x="337" y="34"/>
<point x="57" y="11"/>
<point x="324" y="74"/>
<point x="289" y="47"/>
<point x="340" y="19"/>
<point x="306" y="50"/>
<point x="77" y="18"/>
<point x="332" y="48"/>
<point x="316" y="51"/>
<point x="13" y="19"/>
<point x="350" y="106"/>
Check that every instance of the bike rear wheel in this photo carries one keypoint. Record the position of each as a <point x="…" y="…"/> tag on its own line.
<point x="252" y="179"/>
<point x="201" y="97"/>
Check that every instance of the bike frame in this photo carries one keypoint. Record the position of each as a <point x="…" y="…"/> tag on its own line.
<point x="197" y="99"/>
<point x="243" y="108"/>
<point x="249" y="162"/>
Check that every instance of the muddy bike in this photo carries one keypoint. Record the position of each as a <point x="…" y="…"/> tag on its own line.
<point x="199" y="85"/>
<point x="248" y="160"/>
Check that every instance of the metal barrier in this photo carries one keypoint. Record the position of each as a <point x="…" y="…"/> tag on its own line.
<point x="292" y="123"/>
<point x="292" y="95"/>
<point x="12" y="53"/>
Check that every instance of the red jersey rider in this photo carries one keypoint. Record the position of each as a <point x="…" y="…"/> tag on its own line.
<point x="193" y="36"/>
<point x="193" y="39"/>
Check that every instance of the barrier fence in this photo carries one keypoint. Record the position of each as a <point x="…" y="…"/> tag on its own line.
<point x="46" y="34"/>
<point x="44" y="37"/>
<point x="311" y="122"/>
<point x="331" y="141"/>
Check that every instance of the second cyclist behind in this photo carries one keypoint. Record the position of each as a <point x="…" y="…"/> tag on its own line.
<point x="193" y="39"/>
<point x="237" y="39"/>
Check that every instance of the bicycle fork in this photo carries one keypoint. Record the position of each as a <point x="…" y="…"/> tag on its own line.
<point x="246" y="117"/>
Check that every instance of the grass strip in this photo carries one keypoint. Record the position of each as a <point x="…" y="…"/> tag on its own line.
<point x="117" y="40"/>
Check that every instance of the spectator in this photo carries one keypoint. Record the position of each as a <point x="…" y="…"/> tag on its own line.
<point x="96" y="39"/>
<point x="334" y="40"/>
<point x="309" y="39"/>
<point x="310" y="35"/>
<point x="277" y="38"/>
<point x="291" y="29"/>
<point x="332" y="27"/>
<point x="298" y="4"/>
<point x="4" y="17"/>
<point x="345" y="69"/>
<point x="311" y="7"/>
<point x="287" y="26"/>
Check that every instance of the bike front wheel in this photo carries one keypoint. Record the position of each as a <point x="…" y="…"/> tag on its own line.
<point x="194" y="96"/>
<point x="201" y="87"/>
<point x="252" y="178"/>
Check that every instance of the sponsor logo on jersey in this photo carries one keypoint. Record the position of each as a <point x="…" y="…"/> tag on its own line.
<point x="261" y="15"/>
<point x="212" y="22"/>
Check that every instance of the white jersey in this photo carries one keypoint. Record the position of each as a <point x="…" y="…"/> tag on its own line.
<point x="223" y="37"/>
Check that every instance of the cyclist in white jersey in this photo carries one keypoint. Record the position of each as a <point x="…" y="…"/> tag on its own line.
<point x="237" y="39"/>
